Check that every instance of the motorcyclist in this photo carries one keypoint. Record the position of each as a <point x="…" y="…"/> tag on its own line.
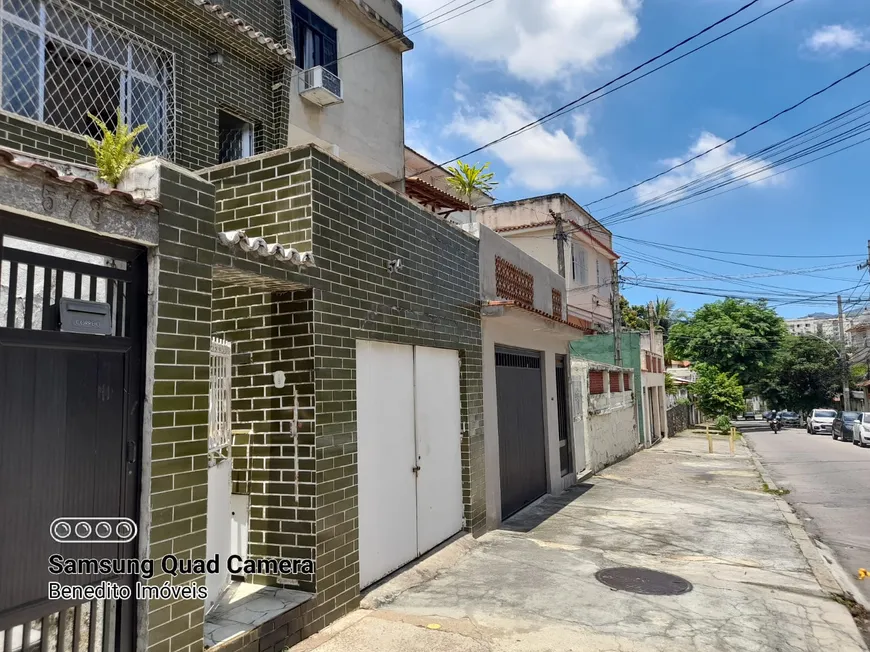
<point x="774" y="420"/>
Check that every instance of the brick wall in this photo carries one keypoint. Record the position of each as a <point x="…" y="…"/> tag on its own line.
<point x="354" y="227"/>
<point x="242" y="84"/>
<point x="179" y="438"/>
<point x="272" y="332"/>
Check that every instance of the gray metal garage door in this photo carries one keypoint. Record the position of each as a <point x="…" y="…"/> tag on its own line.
<point x="521" y="440"/>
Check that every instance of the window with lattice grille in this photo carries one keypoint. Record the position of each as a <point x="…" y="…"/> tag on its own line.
<point x="513" y="283"/>
<point x="59" y="62"/>
<point x="557" y="304"/>
<point x="596" y="382"/>
<point x="235" y="138"/>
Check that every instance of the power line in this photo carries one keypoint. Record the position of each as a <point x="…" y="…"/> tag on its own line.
<point x="576" y="103"/>
<point x="733" y="138"/>
<point x="779" y="147"/>
<point x="416" y="27"/>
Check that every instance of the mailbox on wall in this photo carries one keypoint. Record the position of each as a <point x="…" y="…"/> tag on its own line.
<point x="85" y="317"/>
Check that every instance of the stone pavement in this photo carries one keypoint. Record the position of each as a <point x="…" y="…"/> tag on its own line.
<point x="530" y="586"/>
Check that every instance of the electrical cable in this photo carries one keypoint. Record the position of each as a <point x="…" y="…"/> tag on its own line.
<point x="741" y="134"/>
<point x="570" y="106"/>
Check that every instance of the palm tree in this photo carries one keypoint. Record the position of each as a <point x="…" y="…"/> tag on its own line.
<point x="666" y="315"/>
<point x="467" y="179"/>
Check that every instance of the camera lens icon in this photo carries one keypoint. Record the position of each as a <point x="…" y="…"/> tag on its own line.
<point x="85" y="529"/>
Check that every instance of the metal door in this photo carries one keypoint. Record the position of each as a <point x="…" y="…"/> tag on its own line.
<point x="386" y="458"/>
<point x="521" y="434"/>
<point x="70" y="419"/>
<point x="565" y="453"/>
<point x="438" y="443"/>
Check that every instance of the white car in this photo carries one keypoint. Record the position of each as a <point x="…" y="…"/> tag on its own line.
<point x="861" y="430"/>
<point x="821" y="421"/>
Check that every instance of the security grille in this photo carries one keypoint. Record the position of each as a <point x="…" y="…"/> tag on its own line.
<point x="220" y="396"/>
<point x="61" y="62"/>
<point x="236" y="138"/>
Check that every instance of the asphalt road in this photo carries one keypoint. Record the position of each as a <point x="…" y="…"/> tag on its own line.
<point x="830" y="488"/>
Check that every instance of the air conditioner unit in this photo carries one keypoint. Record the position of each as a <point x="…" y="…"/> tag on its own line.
<point x="319" y="86"/>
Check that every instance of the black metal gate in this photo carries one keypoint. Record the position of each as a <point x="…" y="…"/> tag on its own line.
<point x="521" y="435"/>
<point x="565" y="457"/>
<point x="70" y="428"/>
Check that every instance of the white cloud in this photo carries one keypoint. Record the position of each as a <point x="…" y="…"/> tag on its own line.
<point x="420" y="137"/>
<point x="836" y="38"/>
<point x="541" y="159"/>
<point x="749" y="170"/>
<point x="535" y="40"/>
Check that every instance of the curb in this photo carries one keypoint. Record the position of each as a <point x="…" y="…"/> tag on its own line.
<point x="822" y="566"/>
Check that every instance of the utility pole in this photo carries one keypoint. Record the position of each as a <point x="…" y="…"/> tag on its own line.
<point x="844" y="357"/>
<point x="617" y="314"/>
<point x="561" y="238"/>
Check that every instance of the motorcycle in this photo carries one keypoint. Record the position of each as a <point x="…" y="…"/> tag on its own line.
<point x="775" y="425"/>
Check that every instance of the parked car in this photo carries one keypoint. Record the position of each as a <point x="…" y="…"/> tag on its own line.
<point x="861" y="430"/>
<point x="749" y="416"/>
<point x="842" y="426"/>
<point x="790" y="419"/>
<point x="766" y="415"/>
<point x="821" y="421"/>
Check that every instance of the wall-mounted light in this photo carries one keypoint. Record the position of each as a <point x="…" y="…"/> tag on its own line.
<point x="216" y="58"/>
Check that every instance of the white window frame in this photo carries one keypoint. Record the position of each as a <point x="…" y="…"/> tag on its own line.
<point x="126" y="72"/>
<point x="579" y="266"/>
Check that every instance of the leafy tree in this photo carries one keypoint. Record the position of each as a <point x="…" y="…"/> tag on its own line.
<point x="858" y="374"/>
<point x="667" y="314"/>
<point x="736" y="336"/>
<point x="467" y="179"/>
<point x="634" y="318"/>
<point x="806" y="374"/>
<point x="116" y="151"/>
<point x="717" y="393"/>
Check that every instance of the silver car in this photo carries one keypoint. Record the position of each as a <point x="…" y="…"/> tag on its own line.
<point x="821" y="421"/>
<point x="861" y="430"/>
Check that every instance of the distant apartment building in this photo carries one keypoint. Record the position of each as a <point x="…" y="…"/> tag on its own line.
<point x="827" y="327"/>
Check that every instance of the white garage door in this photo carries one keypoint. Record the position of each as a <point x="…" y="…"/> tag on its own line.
<point x="408" y="417"/>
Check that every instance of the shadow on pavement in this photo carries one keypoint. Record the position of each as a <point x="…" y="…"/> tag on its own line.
<point x="532" y="516"/>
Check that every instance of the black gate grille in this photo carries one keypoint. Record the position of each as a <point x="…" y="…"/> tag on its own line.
<point x="70" y="428"/>
<point x="517" y="360"/>
<point x="34" y="281"/>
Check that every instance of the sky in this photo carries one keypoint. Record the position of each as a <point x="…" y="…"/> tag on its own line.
<point x="474" y="77"/>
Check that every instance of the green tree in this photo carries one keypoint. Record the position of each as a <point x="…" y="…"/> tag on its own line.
<point x="736" y="336"/>
<point x="666" y="315"/>
<point x="634" y="318"/>
<point x="467" y="179"/>
<point x="805" y="374"/>
<point x="858" y="374"/>
<point x="717" y="393"/>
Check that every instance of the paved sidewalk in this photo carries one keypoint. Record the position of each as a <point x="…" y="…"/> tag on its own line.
<point x="530" y="587"/>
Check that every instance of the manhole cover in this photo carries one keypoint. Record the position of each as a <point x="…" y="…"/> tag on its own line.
<point x="643" y="581"/>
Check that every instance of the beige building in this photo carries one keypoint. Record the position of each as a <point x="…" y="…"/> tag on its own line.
<point x="588" y="251"/>
<point x="347" y="94"/>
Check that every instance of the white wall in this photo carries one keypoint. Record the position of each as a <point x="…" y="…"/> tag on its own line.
<point x="493" y="245"/>
<point x="605" y="424"/>
<point x="368" y="127"/>
<point x="506" y="331"/>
